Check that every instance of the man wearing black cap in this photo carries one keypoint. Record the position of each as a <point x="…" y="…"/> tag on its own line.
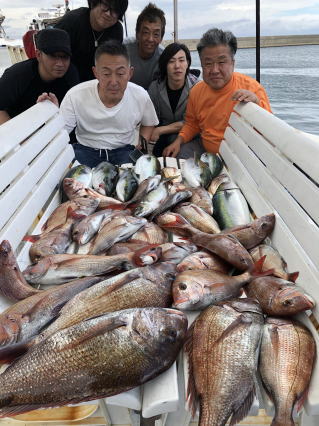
<point x="49" y="72"/>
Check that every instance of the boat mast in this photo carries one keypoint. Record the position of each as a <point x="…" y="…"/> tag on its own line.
<point x="175" y="22"/>
<point x="258" y="40"/>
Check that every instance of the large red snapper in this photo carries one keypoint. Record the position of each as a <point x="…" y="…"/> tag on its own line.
<point x="223" y="345"/>
<point x="287" y="355"/>
<point x="93" y="359"/>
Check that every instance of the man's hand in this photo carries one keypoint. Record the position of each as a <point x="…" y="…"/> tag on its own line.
<point x="50" y="97"/>
<point x="173" y="149"/>
<point x="155" y="134"/>
<point x="243" y="95"/>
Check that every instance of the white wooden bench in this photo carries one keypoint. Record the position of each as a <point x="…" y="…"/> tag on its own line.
<point x="264" y="156"/>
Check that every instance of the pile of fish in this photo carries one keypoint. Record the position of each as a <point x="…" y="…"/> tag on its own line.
<point x="111" y="318"/>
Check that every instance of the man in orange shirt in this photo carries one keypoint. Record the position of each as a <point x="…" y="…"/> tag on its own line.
<point x="211" y="101"/>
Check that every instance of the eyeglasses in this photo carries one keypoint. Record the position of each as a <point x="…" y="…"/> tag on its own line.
<point x="105" y="8"/>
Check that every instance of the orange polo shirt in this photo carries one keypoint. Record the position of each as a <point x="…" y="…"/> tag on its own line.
<point x="208" y="110"/>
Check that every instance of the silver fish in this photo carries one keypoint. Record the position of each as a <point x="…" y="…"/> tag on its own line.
<point x="146" y="166"/>
<point x="151" y="201"/>
<point x="126" y="185"/>
<point x="104" y="178"/>
<point x="214" y="163"/>
<point x="118" y="229"/>
<point x="196" y="173"/>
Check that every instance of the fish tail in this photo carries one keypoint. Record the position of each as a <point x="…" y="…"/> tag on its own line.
<point x="293" y="276"/>
<point x="257" y="271"/>
<point x="31" y="238"/>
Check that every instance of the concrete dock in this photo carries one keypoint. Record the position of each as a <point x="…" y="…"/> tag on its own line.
<point x="265" y="41"/>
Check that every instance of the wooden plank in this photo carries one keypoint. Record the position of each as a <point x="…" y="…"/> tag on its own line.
<point x="295" y="145"/>
<point x="291" y="178"/>
<point x="303" y="228"/>
<point x="16" y="195"/>
<point x="18" y="225"/>
<point x="22" y="126"/>
<point x="23" y="154"/>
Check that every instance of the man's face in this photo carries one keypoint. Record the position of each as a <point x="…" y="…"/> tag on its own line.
<point x="102" y="16"/>
<point x="218" y="65"/>
<point x="54" y="65"/>
<point x="113" y="73"/>
<point x="149" y="37"/>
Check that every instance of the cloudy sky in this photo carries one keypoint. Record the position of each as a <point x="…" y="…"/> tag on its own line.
<point x="278" y="17"/>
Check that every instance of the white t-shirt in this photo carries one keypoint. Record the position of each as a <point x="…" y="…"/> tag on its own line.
<point x="98" y="126"/>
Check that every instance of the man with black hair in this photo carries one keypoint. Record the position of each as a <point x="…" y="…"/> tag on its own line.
<point x="50" y="72"/>
<point x="145" y="50"/>
<point x="106" y="112"/>
<point x="88" y="27"/>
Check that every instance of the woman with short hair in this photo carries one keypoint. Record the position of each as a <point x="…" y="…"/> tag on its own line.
<point x="169" y="94"/>
<point x="90" y="26"/>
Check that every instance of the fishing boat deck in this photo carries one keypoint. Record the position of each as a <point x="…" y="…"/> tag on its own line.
<point x="269" y="160"/>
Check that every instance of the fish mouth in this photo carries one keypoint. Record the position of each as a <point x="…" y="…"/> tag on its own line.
<point x="175" y="312"/>
<point x="292" y="292"/>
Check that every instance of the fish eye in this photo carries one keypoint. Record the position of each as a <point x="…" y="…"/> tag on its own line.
<point x="182" y="286"/>
<point x="287" y="302"/>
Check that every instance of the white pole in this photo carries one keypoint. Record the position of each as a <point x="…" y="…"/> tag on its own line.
<point x="175" y="21"/>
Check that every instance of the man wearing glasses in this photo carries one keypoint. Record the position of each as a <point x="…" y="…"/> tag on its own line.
<point x="88" y="27"/>
<point x="49" y="72"/>
<point x="145" y="50"/>
<point x="211" y="101"/>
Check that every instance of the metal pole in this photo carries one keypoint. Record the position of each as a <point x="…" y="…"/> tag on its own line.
<point x="258" y="40"/>
<point x="175" y="22"/>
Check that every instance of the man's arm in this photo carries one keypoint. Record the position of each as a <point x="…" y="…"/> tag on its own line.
<point x="166" y="130"/>
<point x="146" y="132"/>
<point x="4" y="116"/>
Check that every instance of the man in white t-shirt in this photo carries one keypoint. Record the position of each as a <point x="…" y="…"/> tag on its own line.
<point x="107" y="111"/>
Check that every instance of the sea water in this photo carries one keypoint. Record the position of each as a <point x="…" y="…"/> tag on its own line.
<point x="290" y="76"/>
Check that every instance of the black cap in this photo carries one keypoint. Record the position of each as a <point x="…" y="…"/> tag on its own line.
<point x="52" y="40"/>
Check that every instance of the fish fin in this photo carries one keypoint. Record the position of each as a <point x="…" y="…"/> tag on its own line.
<point x="257" y="271"/>
<point x="192" y="396"/>
<point x="72" y="214"/>
<point x="114" y="207"/>
<point x="132" y="275"/>
<point x="301" y="399"/>
<point x="238" y="322"/>
<point x="101" y="328"/>
<point x="293" y="276"/>
<point x="31" y="238"/>
<point x="242" y="411"/>
<point x="11" y="352"/>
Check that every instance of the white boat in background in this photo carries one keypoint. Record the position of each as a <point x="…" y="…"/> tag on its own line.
<point x="47" y="17"/>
